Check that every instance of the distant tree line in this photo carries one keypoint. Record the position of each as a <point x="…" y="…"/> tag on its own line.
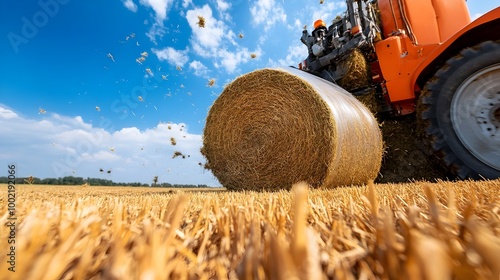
<point x="167" y="185"/>
<point x="71" y="180"/>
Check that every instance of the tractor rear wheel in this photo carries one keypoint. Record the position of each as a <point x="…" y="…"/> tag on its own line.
<point x="460" y="112"/>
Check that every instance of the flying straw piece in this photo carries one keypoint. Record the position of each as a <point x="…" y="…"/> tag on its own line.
<point x="97" y="108"/>
<point x="211" y="82"/>
<point x="240" y="35"/>
<point x="111" y="57"/>
<point x="41" y="111"/>
<point x="144" y="54"/>
<point x="112" y="149"/>
<point x="29" y="180"/>
<point x="140" y="98"/>
<point x="178" y="68"/>
<point x="176" y="154"/>
<point x="149" y="71"/>
<point x="253" y="55"/>
<point x="201" y="22"/>
<point x="164" y="77"/>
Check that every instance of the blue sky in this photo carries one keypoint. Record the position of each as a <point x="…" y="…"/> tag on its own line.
<point x="106" y="84"/>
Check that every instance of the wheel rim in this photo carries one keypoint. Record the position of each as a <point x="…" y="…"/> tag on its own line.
<point x="475" y="115"/>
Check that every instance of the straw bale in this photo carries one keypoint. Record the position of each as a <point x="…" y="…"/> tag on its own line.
<point x="274" y="127"/>
<point x="357" y="71"/>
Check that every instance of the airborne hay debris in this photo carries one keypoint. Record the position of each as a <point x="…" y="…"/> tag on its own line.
<point x="29" y="180"/>
<point x="272" y="128"/>
<point x="178" y="154"/>
<point x="201" y="21"/>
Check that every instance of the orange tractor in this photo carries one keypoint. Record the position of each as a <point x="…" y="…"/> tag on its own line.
<point x="423" y="57"/>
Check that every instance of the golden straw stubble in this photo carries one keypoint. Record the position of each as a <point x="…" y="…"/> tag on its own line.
<point x="418" y="230"/>
<point x="272" y="128"/>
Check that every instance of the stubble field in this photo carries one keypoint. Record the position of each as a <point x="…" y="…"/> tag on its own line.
<point x="417" y="230"/>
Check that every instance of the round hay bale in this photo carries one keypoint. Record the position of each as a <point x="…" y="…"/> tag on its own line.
<point x="357" y="71"/>
<point x="272" y="128"/>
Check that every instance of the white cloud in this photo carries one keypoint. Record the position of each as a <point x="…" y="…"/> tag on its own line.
<point x="172" y="56"/>
<point x="129" y="4"/>
<point x="186" y="3"/>
<point x="267" y="12"/>
<point x="231" y="60"/>
<point x="476" y="16"/>
<point x="199" y="68"/>
<point x="212" y="34"/>
<point x="156" y="30"/>
<point x="223" y="5"/>
<point x="296" y="53"/>
<point x="215" y="38"/>
<point x="67" y="146"/>
<point x="160" y="7"/>
<point x="223" y="8"/>
<point x="327" y="13"/>
<point x="297" y="25"/>
<point x="7" y="114"/>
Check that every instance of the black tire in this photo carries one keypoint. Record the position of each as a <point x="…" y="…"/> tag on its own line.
<point x="460" y="112"/>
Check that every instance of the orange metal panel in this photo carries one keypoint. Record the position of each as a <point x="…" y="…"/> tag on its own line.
<point x="389" y="56"/>
<point x="401" y="61"/>
<point x="433" y="52"/>
<point x="398" y="59"/>
<point x="390" y="16"/>
<point x="436" y="24"/>
<point x="422" y="20"/>
<point x="452" y="15"/>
